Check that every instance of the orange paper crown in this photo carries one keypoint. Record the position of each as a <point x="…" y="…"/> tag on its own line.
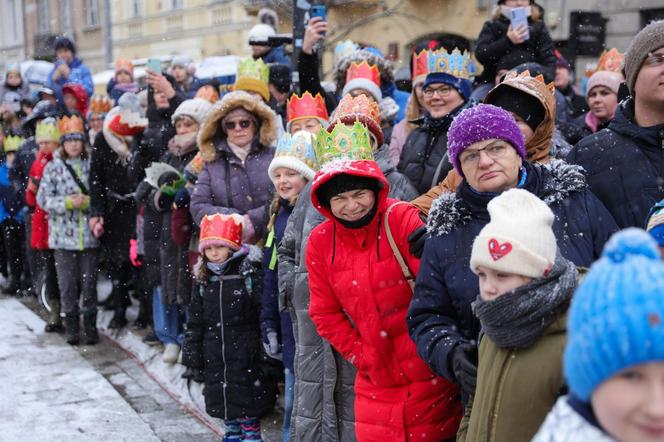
<point x="610" y="60"/>
<point x="360" y="109"/>
<point x="420" y="65"/>
<point x="100" y="104"/>
<point x="123" y="64"/>
<point x="221" y="230"/>
<point x="363" y="70"/>
<point x="306" y="106"/>
<point x="71" y="127"/>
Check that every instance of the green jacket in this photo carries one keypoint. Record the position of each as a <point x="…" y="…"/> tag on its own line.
<point x="516" y="388"/>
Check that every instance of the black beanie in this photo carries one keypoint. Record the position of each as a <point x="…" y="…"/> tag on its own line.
<point x="529" y="108"/>
<point x="343" y="183"/>
<point x="280" y="77"/>
<point x="63" y="42"/>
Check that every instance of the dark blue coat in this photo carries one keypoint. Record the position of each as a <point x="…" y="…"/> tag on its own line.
<point x="440" y="316"/>
<point x="277" y="55"/>
<point x="624" y="166"/>
<point x="271" y="317"/>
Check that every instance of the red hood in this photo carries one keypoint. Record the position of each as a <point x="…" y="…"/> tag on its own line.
<point x="361" y="168"/>
<point x="81" y="95"/>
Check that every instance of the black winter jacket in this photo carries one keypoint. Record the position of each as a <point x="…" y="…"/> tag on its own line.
<point x="223" y="339"/>
<point x="624" y="166"/>
<point x="440" y="316"/>
<point x="493" y="44"/>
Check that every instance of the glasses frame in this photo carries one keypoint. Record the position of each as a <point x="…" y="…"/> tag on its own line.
<point x="231" y="125"/>
<point x="464" y="160"/>
<point x="654" y="60"/>
<point x="442" y="92"/>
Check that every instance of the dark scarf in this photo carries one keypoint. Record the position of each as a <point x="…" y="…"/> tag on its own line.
<point x="436" y="125"/>
<point x="364" y="221"/>
<point x="519" y="318"/>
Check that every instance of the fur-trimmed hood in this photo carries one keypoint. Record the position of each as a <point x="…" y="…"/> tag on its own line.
<point x="267" y="121"/>
<point x="552" y="183"/>
<point x="251" y="256"/>
<point x="384" y="67"/>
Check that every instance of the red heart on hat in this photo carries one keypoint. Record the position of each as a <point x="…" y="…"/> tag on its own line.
<point x="498" y="250"/>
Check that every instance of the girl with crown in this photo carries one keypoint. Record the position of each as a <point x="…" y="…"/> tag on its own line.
<point x="223" y="335"/>
<point x="64" y="194"/>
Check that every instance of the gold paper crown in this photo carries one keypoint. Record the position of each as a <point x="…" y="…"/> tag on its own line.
<point x="249" y="68"/>
<point x="457" y="64"/>
<point x="12" y="143"/>
<point x="71" y="125"/>
<point x="610" y="60"/>
<point x="47" y="130"/>
<point x="343" y="143"/>
<point x="513" y="76"/>
<point x="100" y="104"/>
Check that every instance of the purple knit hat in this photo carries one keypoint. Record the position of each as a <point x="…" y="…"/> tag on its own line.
<point x="479" y="123"/>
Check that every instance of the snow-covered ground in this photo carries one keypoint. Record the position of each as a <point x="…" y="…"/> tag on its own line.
<point x="51" y="393"/>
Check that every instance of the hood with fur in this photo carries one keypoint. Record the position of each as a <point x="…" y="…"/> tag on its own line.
<point x="384" y="67"/>
<point x="267" y="121"/>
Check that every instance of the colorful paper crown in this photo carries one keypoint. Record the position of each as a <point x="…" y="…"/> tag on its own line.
<point x="363" y="70"/>
<point x="306" y="106"/>
<point x="220" y="230"/>
<point x="360" y="108"/>
<point x="455" y="63"/>
<point x="71" y="128"/>
<point x="421" y="65"/>
<point x="12" y="143"/>
<point x="343" y="143"/>
<point x="100" y="104"/>
<point x="344" y="48"/>
<point x="295" y="152"/>
<point x="512" y="76"/>
<point x="253" y="75"/>
<point x="610" y="60"/>
<point x="47" y="130"/>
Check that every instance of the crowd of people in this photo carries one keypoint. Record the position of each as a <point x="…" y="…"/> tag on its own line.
<point x="480" y="257"/>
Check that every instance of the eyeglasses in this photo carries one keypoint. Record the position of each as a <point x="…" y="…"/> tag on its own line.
<point x="494" y="151"/>
<point x="230" y="125"/>
<point x="441" y="91"/>
<point x="654" y="60"/>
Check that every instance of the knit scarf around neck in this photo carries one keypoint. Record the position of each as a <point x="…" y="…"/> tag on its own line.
<point x="242" y="152"/>
<point x="181" y="145"/>
<point x="520" y="317"/>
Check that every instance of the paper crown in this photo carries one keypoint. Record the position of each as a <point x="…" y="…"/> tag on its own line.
<point x="100" y="104"/>
<point x="220" y="230"/>
<point x="123" y="64"/>
<point x="306" y="106"/>
<point x="362" y="109"/>
<point x="343" y="143"/>
<point x="610" y="60"/>
<point x="47" y="130"/>
<point x="421" y="65"/>
<point x="295" y="152"/>
<point x="12" y="143"/>
<point x="512" y="76"/>
<point x="457" y="64"/>
<point x="71" y="128"/>
<point x="363" y="70"/>
<point x="344" y="48"/>
<point x="250" y="68"/>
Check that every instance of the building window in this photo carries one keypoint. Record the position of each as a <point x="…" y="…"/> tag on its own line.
<point x="92" y="12"/>
<point x="176" y="4"/>
<point x="42" y="16"/>
<point x="222" y="16"/>
<point x="65" y="17"/>
<point x="11" y="22"/>
<point x="136" y="8"/>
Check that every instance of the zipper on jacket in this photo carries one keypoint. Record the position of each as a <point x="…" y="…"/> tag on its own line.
<point x="223" y="344"/>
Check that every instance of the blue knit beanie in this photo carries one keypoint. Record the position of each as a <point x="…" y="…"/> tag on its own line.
<point x="616" y="319"/>
<point x="462" y="86"/>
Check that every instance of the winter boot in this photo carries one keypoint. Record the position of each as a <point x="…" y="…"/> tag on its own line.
<point x="119" y="320"/>
<point x="72" y="328"/>
<point x="90" y="327"/>
<point x="54" y="324"/>
<point x="13" y="286"/>
<point x="142" y="320"/>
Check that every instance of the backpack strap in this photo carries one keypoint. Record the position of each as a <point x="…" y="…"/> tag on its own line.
<point x="408" y="275"/>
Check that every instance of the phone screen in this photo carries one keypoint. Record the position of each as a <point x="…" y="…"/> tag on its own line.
<point x="154" y="64"/>
<point x="519" y="18"/>
<point x="317" y="11"/>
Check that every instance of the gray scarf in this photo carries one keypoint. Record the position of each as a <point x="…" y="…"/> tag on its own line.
<point x="519" y="318"/>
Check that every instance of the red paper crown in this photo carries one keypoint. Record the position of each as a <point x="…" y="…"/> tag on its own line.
<point x="363" y="70"/>
<point x="306" y="106"/>
<point x="221" y="230"/>
<point x="71" y="125"/>
<point x="123" y="129"/>
<point x="420" y="65"/>
<point x="100" y="104"/>
<point x="360" y="109"/>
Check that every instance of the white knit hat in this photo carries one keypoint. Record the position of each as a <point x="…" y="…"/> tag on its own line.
<point x="366" y="84"/>
<point x="519" y="238"/>
<point x="195" y="108"/>
<point x="297" y="153"/>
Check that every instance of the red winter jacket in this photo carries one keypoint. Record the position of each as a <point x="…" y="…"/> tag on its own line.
<point x="39" y="237"/>
<point x="359" y="300"/>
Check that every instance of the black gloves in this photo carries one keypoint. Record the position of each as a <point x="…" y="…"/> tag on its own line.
<point x="416" y="241"/>
<point x="195" y="374"/>
<point x="464" y="366"/>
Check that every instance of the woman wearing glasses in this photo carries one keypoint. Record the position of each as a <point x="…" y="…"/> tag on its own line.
<point x="423" y="158"/>
<point x="236" y="141"/>
<point x="488" y="151"/>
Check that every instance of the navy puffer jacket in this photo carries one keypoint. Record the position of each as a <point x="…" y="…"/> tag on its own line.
<point x="440" y="316"/>
<point x="624" y="166"/>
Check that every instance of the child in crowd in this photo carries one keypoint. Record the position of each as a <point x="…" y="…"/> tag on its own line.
<point x="294" y="165"/>
<point x="122" y="81"/>
<point x="614" y="358"/>
<point x="525" y="290"/>
<point x="64" y="194"/>
<point x="223" y="334"/>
